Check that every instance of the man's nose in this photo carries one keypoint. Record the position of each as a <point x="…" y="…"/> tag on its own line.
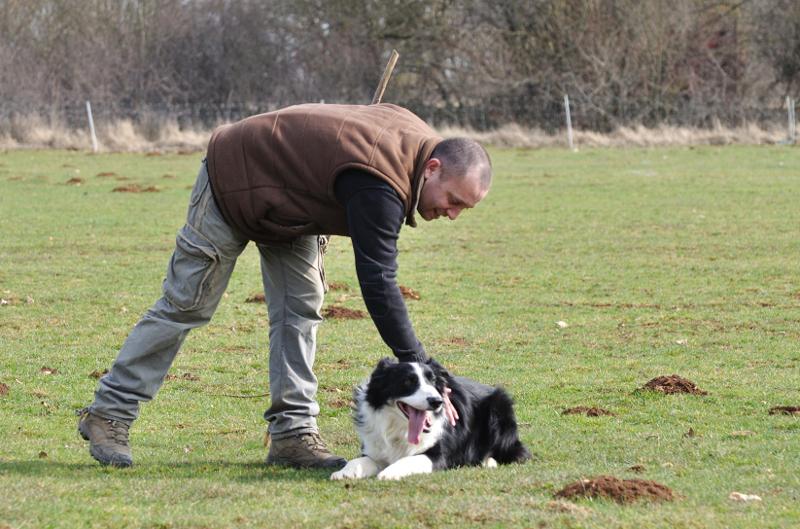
<point x="452" y="213"/>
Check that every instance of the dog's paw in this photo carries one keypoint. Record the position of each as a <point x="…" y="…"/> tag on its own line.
<point x="489" y="462"/>
<point x="407" y="466"/>
<point x="341" y="474"/>
<point x="360" y="468"/>
<point x="392" y="474"/>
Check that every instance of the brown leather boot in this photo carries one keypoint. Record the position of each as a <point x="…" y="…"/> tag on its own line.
<point x="108" y="439"/>
<point x="305" y="450"/>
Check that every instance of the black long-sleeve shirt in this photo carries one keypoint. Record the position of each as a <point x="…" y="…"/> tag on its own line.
<point x="375" y="215"/>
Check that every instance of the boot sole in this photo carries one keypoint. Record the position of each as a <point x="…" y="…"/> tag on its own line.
<point x="330" y="465"/>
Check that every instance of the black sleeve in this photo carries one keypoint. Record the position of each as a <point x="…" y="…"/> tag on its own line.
<point x="375" y="215"/>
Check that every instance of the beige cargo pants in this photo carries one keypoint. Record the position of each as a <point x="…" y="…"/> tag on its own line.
<point x="197" y="275"/>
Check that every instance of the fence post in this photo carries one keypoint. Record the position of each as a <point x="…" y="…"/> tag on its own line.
<point x="91" y="126"/>
<point x="790" y="109"/>
<point x="569" y="123"/>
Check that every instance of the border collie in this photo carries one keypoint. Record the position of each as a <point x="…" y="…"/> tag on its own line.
<point x="399" y="415"/>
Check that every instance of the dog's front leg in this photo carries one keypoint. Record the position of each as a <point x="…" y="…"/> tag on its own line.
<point x="362" y="467"/>
<point x="407" y="466"/>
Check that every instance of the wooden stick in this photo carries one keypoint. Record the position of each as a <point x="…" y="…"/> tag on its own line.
<point x="387" y="73"/>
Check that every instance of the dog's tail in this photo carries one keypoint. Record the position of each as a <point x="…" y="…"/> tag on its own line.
<point x="505" y="443"/>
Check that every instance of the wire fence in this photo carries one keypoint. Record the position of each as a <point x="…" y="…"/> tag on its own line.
<point x="150" y="119"/>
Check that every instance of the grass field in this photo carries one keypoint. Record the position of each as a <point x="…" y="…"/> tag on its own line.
<point x="660" y="261"/>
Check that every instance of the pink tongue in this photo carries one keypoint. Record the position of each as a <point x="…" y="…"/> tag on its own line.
<point x="416" y="422"/>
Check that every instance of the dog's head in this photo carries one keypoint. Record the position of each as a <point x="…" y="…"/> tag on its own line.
<point x="413" y="389"/>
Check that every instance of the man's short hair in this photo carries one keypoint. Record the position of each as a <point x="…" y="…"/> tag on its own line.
<point x="460" y="156"/>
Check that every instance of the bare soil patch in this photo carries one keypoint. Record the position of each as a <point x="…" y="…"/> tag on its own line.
<point x="4" y="389"/>
<point x="97" y="373"/>
<point x="258" y="297"/>
<point x="335" y="311"/>
<point x="589" y="412"/>
<point x="409" y="293"/>
<point x="185" y="376"/>
<point x="48" y="370"/>
<point x="456" y="340"/>
<point x="337" y="285"/>
<point x="672" y="384"/>
<point x="168" y="175"/>
<point x="135" y="188"/>
<point x="106" y="174"/>
<point x="619" y="490"/>
<point x="74" y="181"/>
<point x="637" y="468"/>
<point x="339" y="403"/>
<point x="785" y="410"/>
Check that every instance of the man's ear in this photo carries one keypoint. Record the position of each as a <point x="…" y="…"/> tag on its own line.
<point x="433" y="164"/>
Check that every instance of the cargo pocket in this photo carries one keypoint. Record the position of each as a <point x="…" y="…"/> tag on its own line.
<point x="323" y="241"/>
<point x="199" y="188"/>
<point x="190" y="270"/>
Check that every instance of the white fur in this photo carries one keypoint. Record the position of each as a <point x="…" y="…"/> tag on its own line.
<point x="406" y="467"/>
<point x="362" y="467"/>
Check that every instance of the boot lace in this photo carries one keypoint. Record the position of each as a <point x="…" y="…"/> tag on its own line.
<point x="314" y="442"/>
<point x="119" y="431"/>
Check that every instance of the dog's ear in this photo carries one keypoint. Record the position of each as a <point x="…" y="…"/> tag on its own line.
<point x="384" y="363"/>
<point x="438" y="369"/>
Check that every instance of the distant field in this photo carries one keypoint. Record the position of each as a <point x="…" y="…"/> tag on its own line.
<point x="657" y="261"/>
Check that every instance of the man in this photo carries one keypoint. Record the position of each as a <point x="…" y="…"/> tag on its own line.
<point x="282" y="179"/>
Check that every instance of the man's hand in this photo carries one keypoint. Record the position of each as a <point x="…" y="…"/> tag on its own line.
<point x="449" y="409"/>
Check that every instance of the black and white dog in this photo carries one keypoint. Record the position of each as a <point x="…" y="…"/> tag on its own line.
<point x="400" y="418"/>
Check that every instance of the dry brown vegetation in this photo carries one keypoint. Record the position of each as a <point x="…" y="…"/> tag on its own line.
<point x="123" y="135"/>
<point x="173" y="69"/>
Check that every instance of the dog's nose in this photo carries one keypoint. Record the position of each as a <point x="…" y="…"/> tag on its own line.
<point x="434" y="402"/>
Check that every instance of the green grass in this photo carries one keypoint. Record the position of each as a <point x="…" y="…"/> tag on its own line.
<point x="660" y="261"/>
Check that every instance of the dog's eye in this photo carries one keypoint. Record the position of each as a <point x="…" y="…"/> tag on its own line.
<point x="410" y="381"/>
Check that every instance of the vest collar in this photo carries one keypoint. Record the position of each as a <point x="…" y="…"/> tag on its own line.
<point x="424" y="154"/>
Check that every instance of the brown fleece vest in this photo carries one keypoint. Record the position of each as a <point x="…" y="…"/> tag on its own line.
<point x="273" y="174"/>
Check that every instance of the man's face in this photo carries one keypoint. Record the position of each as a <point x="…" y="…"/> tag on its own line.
<point x="448" y="196"/>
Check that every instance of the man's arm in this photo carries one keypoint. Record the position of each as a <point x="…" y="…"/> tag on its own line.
<point x="375" y="215"/>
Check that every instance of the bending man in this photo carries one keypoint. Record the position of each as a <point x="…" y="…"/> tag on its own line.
<point x="283" y="179"/>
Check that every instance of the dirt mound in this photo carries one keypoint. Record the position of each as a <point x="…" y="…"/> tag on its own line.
<point x="74" y="181"/>
<point x="135" y="188"/>
<point x="335" y="311"/>
<point x="409" y="293"/>
<point x="106" y="173"/>
<point x="785" y="410"/>
<point x="619" y="490"/>
<point x="337" y="285"/>
<point x="258" y="297"/>
<point x="673" y="384"/>
<point x="4" y="389"/>
<point x="97" y="373"/>
<point x="589" y="412"/>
